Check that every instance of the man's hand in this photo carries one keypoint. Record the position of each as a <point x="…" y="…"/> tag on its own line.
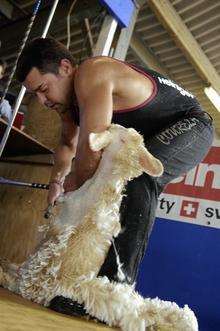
<point x="70" y="183"/>
<point x="55" y="190"/>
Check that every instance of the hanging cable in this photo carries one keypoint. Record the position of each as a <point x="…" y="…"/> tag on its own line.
<point x="89" y="33"/>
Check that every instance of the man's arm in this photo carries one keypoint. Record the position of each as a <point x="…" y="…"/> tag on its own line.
<point x="62" y="162"/>
<point x="63" y="156"/>
<point x="94" y="90"/>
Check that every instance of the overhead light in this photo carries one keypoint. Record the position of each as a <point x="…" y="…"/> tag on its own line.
<point x="213" y="96"/>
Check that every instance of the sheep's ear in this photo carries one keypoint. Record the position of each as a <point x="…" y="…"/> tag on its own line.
<point x="152" y="166"/>
<point x="98" y="141"/>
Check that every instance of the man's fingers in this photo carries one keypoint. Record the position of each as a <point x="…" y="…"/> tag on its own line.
<point x="54" y="193"/>
<point x="51" y="200"/>
<point x="48" y="212"/>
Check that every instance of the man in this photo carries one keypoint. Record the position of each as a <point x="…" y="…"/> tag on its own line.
<point x="5" y="107"/>
<point x="2" y="68"/>
<point x="88" y="98"/>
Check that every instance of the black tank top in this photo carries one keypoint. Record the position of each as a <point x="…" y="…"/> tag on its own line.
<point x="167" y="104"/>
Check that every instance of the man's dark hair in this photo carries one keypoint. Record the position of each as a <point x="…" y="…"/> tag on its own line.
<point x="43" y="54"/>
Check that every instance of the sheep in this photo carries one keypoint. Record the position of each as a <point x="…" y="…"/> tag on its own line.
<point x="76" y="243"/>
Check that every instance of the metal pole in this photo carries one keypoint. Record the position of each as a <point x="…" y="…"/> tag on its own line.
<point x="23" y="89"/>
<point x="106" y="36"/>
<point x="50" y="18"/>
<point x="28" y="30"/>
<point x="5" y="181"/>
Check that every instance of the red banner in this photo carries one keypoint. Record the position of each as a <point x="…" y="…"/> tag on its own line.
<point x="195" y="196"/>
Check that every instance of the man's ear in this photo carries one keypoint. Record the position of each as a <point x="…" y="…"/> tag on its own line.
<point x="98" y="141"/>
<point x="152" y="166"/>
<point x="65" y="67"/>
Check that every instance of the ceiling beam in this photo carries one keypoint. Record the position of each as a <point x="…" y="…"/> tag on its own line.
<point x="17" y="29"/>
<point x="141" y="51"/>
<point x="171" y="20"/>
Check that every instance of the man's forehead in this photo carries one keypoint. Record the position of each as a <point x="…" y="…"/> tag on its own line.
<point x="34" y="74"/>
<point x="33" y="80"/>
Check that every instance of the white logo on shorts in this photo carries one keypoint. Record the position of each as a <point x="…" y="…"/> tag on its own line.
<point x="177" y="129"/>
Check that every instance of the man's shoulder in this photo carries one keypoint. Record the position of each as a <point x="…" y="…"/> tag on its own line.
<point x="100" y="64"/>
<point x="93" y="70"/>
<point x="97" y="60"/>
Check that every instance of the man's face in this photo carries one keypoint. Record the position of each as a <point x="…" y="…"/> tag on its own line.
<point x="1" y="72"/>
<point x="52" y="90"/>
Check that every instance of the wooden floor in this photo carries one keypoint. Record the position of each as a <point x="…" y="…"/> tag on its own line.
<point x="18" y="314"/>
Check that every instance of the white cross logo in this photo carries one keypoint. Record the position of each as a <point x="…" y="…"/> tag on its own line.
<point x="189" y="209"/>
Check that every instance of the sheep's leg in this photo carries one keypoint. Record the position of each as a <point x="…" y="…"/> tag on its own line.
<point x="168" y="316"/>
<point x="109" y="302"/>
<point x="9" y="275"/>
<point x="119" y="305"/>
<point x="40" y="271"/>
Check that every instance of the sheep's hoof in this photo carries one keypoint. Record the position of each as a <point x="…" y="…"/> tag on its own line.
<point x="69" y="307"/>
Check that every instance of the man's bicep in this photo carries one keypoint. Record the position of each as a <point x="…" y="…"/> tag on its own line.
<point x="96" y="108"/>
<point x="94" y="86"/>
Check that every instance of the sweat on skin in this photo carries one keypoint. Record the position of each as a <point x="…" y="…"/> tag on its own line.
<point x="100" y="85"/>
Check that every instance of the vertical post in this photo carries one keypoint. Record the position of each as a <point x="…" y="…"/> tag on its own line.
<point x="49" y="20"/>
<point x="106" y="36"/>
<point x="23" y="89"/>
<point x="125" y="37"/>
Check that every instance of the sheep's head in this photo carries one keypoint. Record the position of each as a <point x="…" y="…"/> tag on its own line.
<point x="127" y="148"/>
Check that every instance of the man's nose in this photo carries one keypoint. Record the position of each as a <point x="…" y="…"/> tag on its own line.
<point x="41" y="97"/>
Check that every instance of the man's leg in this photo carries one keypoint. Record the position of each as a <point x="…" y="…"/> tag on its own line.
<point x="180" y="148"/>
<point x="137" y="214"/>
